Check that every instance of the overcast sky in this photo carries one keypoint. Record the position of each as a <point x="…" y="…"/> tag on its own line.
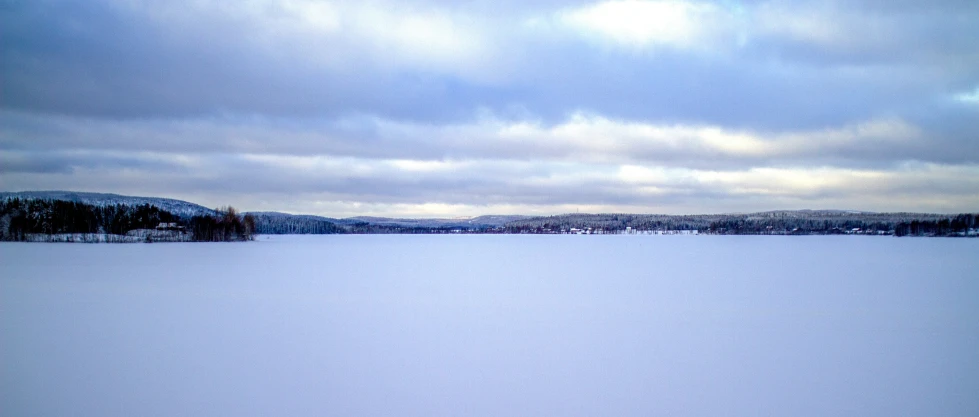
<point x="438" y="108"/>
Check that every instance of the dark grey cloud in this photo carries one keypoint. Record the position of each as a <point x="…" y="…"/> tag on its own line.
<point x="498" y="104"/>
<point x="872" y="143"/>
<point x="105" y="59"/>
<point x="388" y="186"/>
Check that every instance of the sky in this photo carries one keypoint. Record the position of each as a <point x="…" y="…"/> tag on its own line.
<point x="452" y="109"/>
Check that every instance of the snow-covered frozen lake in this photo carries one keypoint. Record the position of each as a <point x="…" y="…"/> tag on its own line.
<point x="397" y="325"/>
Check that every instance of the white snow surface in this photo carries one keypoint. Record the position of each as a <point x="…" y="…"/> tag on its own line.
<point x="492" y="325"/>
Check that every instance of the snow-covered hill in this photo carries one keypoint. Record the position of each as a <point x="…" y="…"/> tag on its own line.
<point x="178" y="207"/>
<point x="270" y="222"/>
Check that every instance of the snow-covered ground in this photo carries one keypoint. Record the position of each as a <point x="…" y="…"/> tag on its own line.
<point x="491" y="325"/>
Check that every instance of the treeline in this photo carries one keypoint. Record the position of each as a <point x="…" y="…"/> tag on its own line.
<point x="57" y="220"/>
<point x="798" y="226"/>
<point x="827" y="223"/>
<point x="606" y="223"/>
<point x="282" y="223"/>
<point x="372" y="228"/>
<point x="803" y="222"/>
<point x="279" y="224"/>
<point x="954" y="226"/>
<point x="40" y="220"/>
<point x="20" y="218"/>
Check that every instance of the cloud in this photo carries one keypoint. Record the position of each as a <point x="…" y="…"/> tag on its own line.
<point x="639" y="23"/>
<point x="431" y="62"/>
<point x="586" y="161"/>
<point x="337" y="36"/>
<point x="969" y="97"/>
<point x="621" y="105"/>
<point x="825" y="25"/>
<point x="582" y="137"/>
<point x="246" y="180"/>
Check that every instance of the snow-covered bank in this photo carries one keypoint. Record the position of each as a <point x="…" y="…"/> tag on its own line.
<point x="132" y="236"/>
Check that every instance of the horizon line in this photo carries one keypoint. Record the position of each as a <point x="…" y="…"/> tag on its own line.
<point x="460" y="218"/>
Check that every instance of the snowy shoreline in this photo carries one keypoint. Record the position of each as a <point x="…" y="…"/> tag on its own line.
<point x="158" y="236"/>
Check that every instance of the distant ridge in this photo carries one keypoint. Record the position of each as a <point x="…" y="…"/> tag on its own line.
<point x="188" y="209"/>
<point x="178" y="207"/>
<point x="480" y="221"/>
<point x="295" y="216"/>
<point x="275" y="223"/>
<point x="775" y="222"/>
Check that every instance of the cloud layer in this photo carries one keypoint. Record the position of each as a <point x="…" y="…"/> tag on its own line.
<point x="435" y="108"/>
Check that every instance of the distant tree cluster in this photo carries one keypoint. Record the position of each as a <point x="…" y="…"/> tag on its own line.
<point x="775" y="222"/>
<point x="954" y="226"/>
<point x="606" y="223"/>
<point x="27" y="219"/>
<point x="274" y="224"/>
<point x="740" y="226"/>
<point x="833" y="222"/>
<point x="371" y="228"/>
<point x="226" y="226"/>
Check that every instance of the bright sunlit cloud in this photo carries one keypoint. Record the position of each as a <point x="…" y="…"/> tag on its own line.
<point x="969" y="97"/>
<point x="643" y="23"/>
